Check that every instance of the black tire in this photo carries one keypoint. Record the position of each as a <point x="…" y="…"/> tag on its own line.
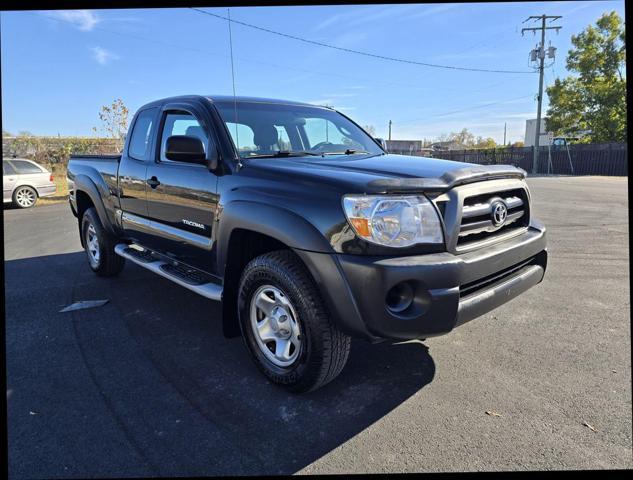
<point x="24" y="197"/>
<point x="324" y="348"/>
<point x="108" y="263"/>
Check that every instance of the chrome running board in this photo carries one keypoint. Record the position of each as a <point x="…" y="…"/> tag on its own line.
<point x="165" y="269"/>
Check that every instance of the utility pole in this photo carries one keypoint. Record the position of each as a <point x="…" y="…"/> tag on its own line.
<point x="540" y="53"/>
<point x="505" y="129"/>
<point x="389" y="130"/>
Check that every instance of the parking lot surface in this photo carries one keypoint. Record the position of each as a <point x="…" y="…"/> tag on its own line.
<point x="147" y="385"/>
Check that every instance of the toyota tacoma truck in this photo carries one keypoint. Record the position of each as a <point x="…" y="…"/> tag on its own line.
<point x="305" y="228"/>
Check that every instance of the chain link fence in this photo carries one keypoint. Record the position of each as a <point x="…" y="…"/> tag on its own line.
<point x="56" y="151"/>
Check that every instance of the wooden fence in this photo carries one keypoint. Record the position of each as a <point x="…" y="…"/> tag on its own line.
<point x="579" y="159"/>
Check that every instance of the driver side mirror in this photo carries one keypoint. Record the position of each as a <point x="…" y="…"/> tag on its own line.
<point x="382" y="143"/>
<point x="189" y="149"/>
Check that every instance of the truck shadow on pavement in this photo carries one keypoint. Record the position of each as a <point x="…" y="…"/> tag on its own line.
<point x="186" y="400"/>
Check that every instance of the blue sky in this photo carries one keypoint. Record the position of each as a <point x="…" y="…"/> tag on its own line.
<point x="59" y="67"/>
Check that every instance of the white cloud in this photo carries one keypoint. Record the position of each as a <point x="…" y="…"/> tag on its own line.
<point x="103" y="56"/>
<point x="520" y="115"/>
<point x="85" y="20"/>
<point x="435" y="9"/>
<point x="321" y="101"/>
<point x="330" y="21"/>
<point x="578" y="5"/>
<point x="340" y="95"/>
<point x="350" y="39"/>
<point x="358" y="15"/>
<point x="432" y="130"/>
<point x="465" y="55"/>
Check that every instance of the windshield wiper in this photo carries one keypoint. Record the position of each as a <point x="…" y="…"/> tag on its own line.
<point x="349" y="151"/>
<point x="284" y="153"/>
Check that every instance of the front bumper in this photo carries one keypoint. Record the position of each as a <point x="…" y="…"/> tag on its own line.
<point x="448" y="289"/>
<point x="46" y="191"/>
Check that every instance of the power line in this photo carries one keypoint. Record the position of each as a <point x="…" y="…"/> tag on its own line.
<point x="248" y="60"/>
<point x="445" y="114"/>
<point x="357" y="52"/>
<point x="496" y="36"/>
<point x="268" y="64"/>
<point x="237" y="137"/>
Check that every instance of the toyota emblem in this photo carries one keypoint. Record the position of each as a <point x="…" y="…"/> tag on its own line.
<point x="499" y="213"/>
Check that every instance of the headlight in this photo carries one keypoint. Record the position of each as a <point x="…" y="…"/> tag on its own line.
<point x="393" y="221"/>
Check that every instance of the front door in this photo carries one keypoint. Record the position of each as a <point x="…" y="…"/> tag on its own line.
<point x="181" y="197"/>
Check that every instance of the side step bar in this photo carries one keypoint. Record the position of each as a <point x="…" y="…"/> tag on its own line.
<point x="209" y="290"/>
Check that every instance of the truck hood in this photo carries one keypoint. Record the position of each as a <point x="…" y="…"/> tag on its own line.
<point x="385" y="173"/>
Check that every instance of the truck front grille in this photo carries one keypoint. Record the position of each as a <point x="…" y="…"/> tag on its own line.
<point x="478" y="220"/>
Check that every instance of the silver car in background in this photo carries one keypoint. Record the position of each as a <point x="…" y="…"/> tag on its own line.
<point x="24" y="181"/>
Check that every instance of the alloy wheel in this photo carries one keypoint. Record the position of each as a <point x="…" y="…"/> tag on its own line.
<point x="25" y="197"/>
<point x="275" y="326"/>
<point x="92" y="245"/>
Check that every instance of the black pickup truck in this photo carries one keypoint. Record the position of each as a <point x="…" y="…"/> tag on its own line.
<point x="305" y="228"/>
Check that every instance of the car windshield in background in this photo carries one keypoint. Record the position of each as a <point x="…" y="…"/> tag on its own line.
<point x="264" y="130"/>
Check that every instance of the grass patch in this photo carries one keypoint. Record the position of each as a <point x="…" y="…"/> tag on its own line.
<point x="59" y="176"/>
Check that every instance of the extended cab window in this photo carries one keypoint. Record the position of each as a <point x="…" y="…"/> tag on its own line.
<point x="141" y="135"/>
<point x="26" y="167"/>
<point x="181" y="123"/>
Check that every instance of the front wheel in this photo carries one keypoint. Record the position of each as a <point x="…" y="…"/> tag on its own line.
<point x="99" y="246"/>
<point x="285" y="325"/>
<point x="24" y="197"/>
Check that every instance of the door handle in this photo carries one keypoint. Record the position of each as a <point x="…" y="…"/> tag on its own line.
<point x="153" y="182"/>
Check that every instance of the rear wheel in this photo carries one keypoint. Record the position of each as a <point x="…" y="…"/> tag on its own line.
<point x="99" y="246"/>
<point x="24" y="197"/>
<point x="285" y="325"/>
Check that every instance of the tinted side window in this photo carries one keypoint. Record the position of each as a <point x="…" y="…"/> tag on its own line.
<point x="25" y="167"/>
<point x="141" y="135"/>
<point x="181" y="123"/>
<point x="7" y="169"/>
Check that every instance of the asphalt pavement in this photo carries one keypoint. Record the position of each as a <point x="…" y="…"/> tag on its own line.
<point x="146" y="385"/>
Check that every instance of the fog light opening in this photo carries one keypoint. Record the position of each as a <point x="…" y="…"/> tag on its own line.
<point x="399" y="297"/>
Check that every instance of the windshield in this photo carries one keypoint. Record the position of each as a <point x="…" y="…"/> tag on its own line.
<point x="270" y="130"/>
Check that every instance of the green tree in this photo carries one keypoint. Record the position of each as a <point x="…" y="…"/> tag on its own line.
<point x="465" y="137"/>
<point x="468" y="139"/>
<point x="113" y="119"/>
<point x="370" y="129"/>
<point x="485" y="142"/>
<point x="593" y="99"/>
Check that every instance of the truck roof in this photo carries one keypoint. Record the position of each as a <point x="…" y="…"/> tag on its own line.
<point x="225" y="98"/>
